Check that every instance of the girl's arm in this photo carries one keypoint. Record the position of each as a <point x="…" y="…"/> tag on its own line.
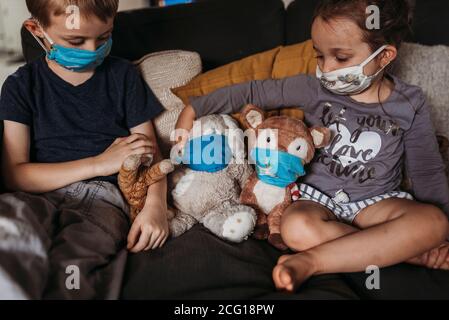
<point x="184" y="124"/>
<point x="423" y="160"/>
<point x="297" y="91"/>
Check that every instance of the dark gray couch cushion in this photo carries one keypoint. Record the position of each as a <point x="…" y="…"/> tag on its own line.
<point x="221" y="31"/>
<point x="403" y="282"/>
<point x="431" y="23"/>
<point x="198" y="265"/>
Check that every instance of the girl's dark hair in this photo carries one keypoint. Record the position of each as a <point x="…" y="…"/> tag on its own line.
<point x="395" y="19"/>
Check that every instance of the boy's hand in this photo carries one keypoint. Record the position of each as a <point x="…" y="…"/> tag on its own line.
<point x="149" y="230"/>
<point x="110" y="161"/>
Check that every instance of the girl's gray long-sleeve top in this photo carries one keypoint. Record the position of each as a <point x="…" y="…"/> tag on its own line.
<point x="370" y="141"/>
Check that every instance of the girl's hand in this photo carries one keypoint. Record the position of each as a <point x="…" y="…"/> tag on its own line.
<point x="110" y="161"/>
<point x="150" y="229"/>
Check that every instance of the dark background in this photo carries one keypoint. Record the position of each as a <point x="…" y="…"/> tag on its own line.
<point x="227" y="30"/>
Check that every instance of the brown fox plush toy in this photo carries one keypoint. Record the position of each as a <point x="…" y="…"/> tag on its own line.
<point x="280" y="148"/>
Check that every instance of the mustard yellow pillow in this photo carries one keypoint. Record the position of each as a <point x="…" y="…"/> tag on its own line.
<point x="255" y="67"/>
<point x="277" y="63"/>
<point x="295" y="59"/>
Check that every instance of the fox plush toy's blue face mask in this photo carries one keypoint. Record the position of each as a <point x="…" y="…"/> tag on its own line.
<point x="74" y="59"/>
<point x="277" y="168"/>
<point x="208" y="153"/>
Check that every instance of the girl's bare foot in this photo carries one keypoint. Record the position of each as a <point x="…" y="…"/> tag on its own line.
<point x="437" y="258"/>
<point x="293" y="270"/>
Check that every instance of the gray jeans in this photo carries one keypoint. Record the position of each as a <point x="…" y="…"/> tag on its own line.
<point x="65" y="244"/>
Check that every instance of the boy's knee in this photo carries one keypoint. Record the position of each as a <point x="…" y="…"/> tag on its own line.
<point x="301" y="231"/>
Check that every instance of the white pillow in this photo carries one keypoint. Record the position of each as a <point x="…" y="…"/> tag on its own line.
<point x="164" y="126"/>
<point x="163" y="71"/>
<point x="166" y="70"/>
<point x="428" y="68"/>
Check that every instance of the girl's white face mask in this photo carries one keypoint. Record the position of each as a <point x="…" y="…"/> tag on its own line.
<point x="351" y="80"/>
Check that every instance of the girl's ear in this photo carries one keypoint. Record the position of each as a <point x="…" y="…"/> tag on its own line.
<point x="252" y="116"/>
<point x="321" y="136"/>
<point x="388" y="55"/>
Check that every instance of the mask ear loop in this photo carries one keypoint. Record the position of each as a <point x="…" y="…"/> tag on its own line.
<point x="39" y="41"/>
<point x="371" y="57"/>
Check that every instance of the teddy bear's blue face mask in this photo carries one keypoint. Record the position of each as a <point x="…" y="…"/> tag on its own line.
<point x="208" y="153"/>
<point x="277" y="168"/>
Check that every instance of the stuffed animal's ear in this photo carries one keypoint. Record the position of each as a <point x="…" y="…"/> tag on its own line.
<point x="252" y="117"/>
<point x="321" y="136"/>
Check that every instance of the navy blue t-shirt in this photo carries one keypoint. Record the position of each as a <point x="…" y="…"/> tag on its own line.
<point x="76" y="122"/>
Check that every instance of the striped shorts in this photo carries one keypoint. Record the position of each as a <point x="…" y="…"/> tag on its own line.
<point x="346" y="212"/>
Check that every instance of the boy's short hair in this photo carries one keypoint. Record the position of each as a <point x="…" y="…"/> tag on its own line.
<point x="43" y="10"/>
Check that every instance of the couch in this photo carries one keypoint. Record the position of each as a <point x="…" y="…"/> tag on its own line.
<point x="198" y="265"/>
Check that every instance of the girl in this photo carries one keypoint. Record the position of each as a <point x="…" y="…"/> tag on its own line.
<point x="351" y="214"/>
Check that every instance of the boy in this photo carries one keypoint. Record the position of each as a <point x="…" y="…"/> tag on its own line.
<point x="71" y="119"/>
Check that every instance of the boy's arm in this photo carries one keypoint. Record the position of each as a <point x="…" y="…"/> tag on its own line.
<point x="21" y="175"/>
<point x="150" y="229"/>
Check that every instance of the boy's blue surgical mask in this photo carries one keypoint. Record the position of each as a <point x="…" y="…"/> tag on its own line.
<point x="277" y="168"/>
<point x="208" y="153"/>
<point x="74" y="59"/>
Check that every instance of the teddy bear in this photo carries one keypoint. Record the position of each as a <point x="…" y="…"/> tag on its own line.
<point x="280" y="148"/>
<point x="207" y="191"/>
<point x="136" y="175"/>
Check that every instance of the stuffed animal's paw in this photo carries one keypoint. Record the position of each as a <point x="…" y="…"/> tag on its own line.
<point x="179" y="223"/>
<point x="166" y="167"/>
<point x="133" y="162"/>
<point x="239" y="226"/>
